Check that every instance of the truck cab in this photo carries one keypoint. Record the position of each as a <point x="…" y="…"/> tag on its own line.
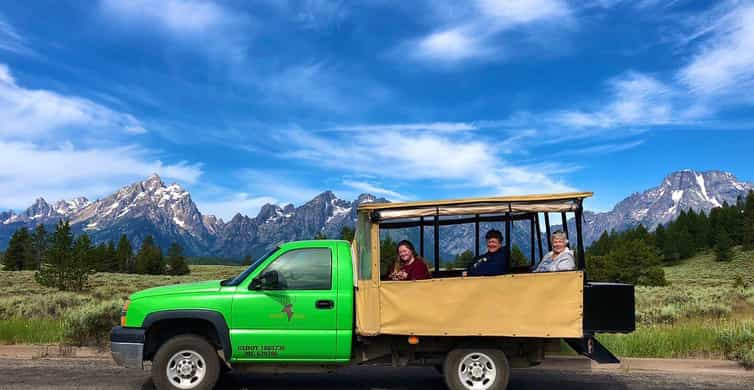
<point x="322" y="304"/>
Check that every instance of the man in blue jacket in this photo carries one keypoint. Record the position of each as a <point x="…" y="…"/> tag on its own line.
<point x="495" y="261"/>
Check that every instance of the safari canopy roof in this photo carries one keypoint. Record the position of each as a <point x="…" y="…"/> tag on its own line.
<point x="501" y="204"/>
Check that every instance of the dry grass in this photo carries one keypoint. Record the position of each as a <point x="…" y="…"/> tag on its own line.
<point x="33" y="313"/>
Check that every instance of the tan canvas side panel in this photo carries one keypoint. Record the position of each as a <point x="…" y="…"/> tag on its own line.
<point x="521" y="305"/>
<point x="367" y="308"/>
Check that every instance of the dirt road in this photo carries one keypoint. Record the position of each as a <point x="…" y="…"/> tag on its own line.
<point x="70" y="374"/>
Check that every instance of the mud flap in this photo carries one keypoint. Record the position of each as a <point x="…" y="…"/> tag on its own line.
<point x="591" y="348"/>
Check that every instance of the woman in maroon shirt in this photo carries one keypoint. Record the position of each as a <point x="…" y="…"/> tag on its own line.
<point x="409" y="266"/>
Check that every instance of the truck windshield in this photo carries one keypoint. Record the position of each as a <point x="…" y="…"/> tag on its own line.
<point x="238" y="279"/>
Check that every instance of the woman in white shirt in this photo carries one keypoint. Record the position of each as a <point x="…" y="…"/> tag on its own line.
<point x="561" y="258"/>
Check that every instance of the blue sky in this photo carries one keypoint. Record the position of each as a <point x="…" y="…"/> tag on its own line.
<point x="244" y="103"/>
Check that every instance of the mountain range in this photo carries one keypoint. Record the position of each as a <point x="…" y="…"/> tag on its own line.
<point x="167" y="212"/>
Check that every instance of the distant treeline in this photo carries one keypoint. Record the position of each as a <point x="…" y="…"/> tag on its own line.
<point x="65" y="262"/>
<point x="637" y="255"/>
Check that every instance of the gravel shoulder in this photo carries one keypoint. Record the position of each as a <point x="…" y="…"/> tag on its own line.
<point x="98" y="373"/>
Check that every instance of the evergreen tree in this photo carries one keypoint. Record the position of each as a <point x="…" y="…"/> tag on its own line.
<point x="518" y="259"/>
<point x="388" y="255"/>
<point x="747" y="229"/>
<point x="246" y="261"/>
<point x="347" y="233"/>
<point x="110" y="258"/>
<point x="722" y="246"/>
<point x="124" y="255"/>
<point x="82" y="264"/>
<point x="631" y="261"/>
<point x="39" y="243"/>
<point x="600" y="247"/>
<point x="660" y="239"/>
<point x="176" y="260"/>
<point x="99" y="252"/>
<point x="464" y="259"/>
<point x="149" y="260"/>
<point x="685" y="245"/>
<point x="703" y="230"/>
<point x="19" y="252"/>
<point x="55" y="271"/>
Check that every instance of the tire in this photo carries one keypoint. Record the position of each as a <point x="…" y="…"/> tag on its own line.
<point x="476" y="368"/>
<point x="193" y="363"/>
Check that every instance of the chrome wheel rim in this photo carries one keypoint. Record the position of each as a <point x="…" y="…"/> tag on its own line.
<point x="477" y="371"/>
<point x="186" y="369"/>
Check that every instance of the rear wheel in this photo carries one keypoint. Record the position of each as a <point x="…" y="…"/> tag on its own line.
<point x="476" y="369"/>
<point x="186" y="362"/>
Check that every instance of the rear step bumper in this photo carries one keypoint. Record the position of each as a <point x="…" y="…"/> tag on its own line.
<point x="591" y="348"/>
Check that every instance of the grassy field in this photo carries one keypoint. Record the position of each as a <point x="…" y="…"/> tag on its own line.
<point x="706" y="311"/>
<point x="30" y="313"/>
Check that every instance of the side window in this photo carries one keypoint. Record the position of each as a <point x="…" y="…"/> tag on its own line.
<point x="303" y="269"/>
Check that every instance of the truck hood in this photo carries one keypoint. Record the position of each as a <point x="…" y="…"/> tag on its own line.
<point x="187" y="288"/>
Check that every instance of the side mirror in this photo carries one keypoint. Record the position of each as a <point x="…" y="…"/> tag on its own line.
<point x="268" y="280"/>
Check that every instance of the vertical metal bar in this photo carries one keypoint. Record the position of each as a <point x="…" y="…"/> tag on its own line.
<point x="539" y="235"/>
<point x="476" y="236"/>
<point x="508" y="232"/>
<point x="547" y="232"/>
<point x="579" y="238"/>
<point x="437" y="242"/>
<point x="421" y="236"/>
<point x="565" y="225"/>
<point x="532" y="232"/>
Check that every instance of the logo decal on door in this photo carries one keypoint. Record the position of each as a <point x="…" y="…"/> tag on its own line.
<point x="288" y="310"/>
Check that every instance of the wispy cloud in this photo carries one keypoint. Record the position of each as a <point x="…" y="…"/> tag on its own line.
<point x="39" y="158"/>
<point x="415" y="157"/>
<point x="63" y="171"/>
<point x="206" y="26"/>
<point x="12" y="41"/>
<point x="33" y="113"/>
<point x="374" y="190"/>
<point x="471" y="33"/>
<point x="445" y="127"/>
<point x="724" y="62"/>
<point x="179" y="17"/>
<point x="634" y="99"/>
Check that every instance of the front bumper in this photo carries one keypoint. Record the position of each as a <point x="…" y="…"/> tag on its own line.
<point x="127" y="346"/>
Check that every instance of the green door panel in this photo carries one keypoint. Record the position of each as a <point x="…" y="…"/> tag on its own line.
<point x="282" y="323"/>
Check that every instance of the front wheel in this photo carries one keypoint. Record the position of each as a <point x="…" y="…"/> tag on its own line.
<point x="186" y="362"/>
<point x="476" y="369"/>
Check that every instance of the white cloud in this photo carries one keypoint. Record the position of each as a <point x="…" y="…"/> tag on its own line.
<point x="471" y="35"/>
<point x="724" y="63"/>
<point x="205" y="26"/>
<point x="445" y="127"/>
<point x="30" y="171"/>
<point x="635" y="99"/>
<point x="317" y="85"/>
<point x="375" y="190"/>
<point x="30" y="114"/>
<point x="176" y="16"/>
<point x="453" y="44"/>
<point x="471" y="163"/>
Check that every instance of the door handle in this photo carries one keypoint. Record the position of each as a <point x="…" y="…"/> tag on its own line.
<point x="324" y="304"/>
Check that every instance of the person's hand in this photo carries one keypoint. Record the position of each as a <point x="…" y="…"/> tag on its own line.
<point x="402" y="275"/>
<point x="464" y="274"/>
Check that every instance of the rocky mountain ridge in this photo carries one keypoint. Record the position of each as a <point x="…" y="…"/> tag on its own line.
<point x="168" y="213"/>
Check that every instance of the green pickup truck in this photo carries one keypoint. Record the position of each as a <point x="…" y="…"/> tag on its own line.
<point x="321" y="305"/>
